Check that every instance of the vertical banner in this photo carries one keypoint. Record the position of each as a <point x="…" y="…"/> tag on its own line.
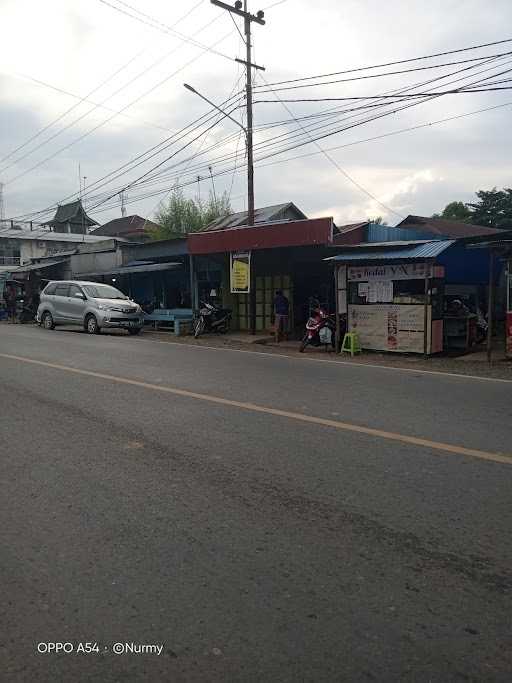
<point x="240" y="272"/>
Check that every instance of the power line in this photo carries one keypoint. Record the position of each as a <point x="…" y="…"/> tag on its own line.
<point x="166" y="29"/>
<point x="130" y="104"/>
<point x="336" y="165"/>
<point x="91" y="92"/>
<point x="385" y="64"/>
<point x="387" y="73"/>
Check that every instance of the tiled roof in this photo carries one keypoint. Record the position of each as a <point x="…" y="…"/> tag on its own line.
<point x="125" y="225"/>
<point x="441" y="226"/>
<point x="67" y="212"/>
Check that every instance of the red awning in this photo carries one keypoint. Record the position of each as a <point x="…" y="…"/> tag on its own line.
<point x="315" y="231"/>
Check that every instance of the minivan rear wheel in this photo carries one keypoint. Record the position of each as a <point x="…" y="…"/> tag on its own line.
<point x="91" y="325"/>
<point x="47" y="321"/>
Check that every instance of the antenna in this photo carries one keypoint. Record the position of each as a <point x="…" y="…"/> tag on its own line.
<point x="123" y="207"/>
<point x="213" y="185"/>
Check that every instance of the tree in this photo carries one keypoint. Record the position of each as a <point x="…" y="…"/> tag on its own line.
<point x="182" y="215"/>
<point x="494" y="208"/>
<point x="455" y="211"/>
<point x="378" y="220"/>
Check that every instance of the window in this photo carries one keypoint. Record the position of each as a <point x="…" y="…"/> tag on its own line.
<point x="74" y="289"/>
<point x="50" y="289"/>
<point x="100" y="291"/>
<point x="62" y="289"/>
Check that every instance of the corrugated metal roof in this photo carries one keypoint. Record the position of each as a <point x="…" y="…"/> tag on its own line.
<point x="36" y="266"/>
<point x="51" y="236"/>
<point x="123" y="270"/>
<point x="408" y="251"/>
<point x="265" y="214"/>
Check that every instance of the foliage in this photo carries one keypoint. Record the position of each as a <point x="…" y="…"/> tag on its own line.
<point x="181" y="215"/>
<point x="455" y="211"/>
<point x="378" y="220"/>
<point x="493" y="209"/>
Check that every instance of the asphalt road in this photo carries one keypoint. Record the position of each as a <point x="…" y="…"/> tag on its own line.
<point x="257" y="537"/>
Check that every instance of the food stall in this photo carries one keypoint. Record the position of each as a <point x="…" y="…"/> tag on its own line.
<point x="393" y="296"/>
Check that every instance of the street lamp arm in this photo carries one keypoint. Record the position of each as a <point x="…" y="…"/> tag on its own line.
<point x="189" y="87"/>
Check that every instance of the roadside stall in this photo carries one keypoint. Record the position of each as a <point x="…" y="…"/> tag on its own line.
<point x="392" y="296"/>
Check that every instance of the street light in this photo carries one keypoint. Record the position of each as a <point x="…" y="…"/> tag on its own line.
<point x="225" y="113"/>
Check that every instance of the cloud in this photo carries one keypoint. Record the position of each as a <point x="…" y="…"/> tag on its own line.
<point x="79" y="46"/>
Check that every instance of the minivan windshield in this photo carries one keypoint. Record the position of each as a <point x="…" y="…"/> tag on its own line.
<point x="103" y="292"/>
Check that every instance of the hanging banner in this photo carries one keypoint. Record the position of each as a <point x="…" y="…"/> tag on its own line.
<point x="240" y="272"/>
<point x="403" y="271"/>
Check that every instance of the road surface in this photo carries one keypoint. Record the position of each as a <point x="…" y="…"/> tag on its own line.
<point x="257" y="517"/>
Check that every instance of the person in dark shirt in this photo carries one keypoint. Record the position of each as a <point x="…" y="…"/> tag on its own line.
<point x="281" y="314"/>
<point x="10" y="302"/>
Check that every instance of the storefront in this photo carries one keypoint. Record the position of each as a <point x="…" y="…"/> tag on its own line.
<point x="393" y="296"/>
<point x="246" y="265"/>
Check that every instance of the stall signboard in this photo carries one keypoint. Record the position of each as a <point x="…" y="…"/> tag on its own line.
<point x="403" y="271"/>
<point x="240" y="272"/>
<point x="390" y="327"/>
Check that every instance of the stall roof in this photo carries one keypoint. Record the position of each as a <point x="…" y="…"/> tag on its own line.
<point x="124" y="270"/>
<point x="394" y="251"/>
<point x="37" y="266"/>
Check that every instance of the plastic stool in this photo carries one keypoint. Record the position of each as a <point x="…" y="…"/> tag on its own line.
<point x="351" y="343"/>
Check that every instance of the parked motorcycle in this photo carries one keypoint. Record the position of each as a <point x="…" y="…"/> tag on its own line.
<point x="212" y="318"/>
<point x="320" y="330"/>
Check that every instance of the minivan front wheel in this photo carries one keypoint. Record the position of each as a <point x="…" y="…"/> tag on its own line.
<point x="47" y="321"/>
<point x="91" y="325"/>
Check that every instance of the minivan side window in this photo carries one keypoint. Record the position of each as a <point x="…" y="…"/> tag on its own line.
<point x="62" y="290"/>
<point x="50" y="289"/>
<point x="74" y="289"/>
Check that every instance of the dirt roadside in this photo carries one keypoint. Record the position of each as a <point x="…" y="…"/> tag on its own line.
<point x="500" y="368"/>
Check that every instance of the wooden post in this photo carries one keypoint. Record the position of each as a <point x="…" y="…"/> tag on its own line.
<point x="252" y="294"/>
<point x="193" y="304"/>
<point x="490" y="306"/>
<point x="425" y="319"/>
<point x="338" y="323"/>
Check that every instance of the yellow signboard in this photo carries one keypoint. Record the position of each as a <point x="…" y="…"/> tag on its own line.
<point x="240" y="272"/>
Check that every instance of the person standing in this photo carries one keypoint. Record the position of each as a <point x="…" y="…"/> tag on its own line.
<point x="281" y="315"/>
<point x="10" y="302"/>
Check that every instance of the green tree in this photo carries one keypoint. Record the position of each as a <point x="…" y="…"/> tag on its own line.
<point x="455" y="211"/>
<point x="181" y="215"/>
<point x="493" y="209"/>
<point x="378" y="220"/>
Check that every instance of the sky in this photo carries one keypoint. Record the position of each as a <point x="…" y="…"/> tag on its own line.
<point x="88" y="86"/>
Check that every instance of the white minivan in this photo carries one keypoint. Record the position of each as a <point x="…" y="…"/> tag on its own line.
<point x="92" y="305"/>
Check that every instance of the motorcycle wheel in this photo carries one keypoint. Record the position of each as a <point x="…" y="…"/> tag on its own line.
<point x="304" y="343"/>
<point x="199" y="328"/>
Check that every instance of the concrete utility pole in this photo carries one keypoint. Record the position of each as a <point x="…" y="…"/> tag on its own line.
<point x="248" y="19"/>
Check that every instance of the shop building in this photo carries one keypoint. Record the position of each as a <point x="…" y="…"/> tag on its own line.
<point x="244" y="266"/>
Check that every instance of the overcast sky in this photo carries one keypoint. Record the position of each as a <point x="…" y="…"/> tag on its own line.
<point x="88" y="49"/>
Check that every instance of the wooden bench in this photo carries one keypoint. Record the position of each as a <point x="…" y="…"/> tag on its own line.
<point x="179" y="320"/>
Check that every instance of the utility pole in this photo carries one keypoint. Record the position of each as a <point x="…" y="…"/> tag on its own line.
<point x="248" y="19"/>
